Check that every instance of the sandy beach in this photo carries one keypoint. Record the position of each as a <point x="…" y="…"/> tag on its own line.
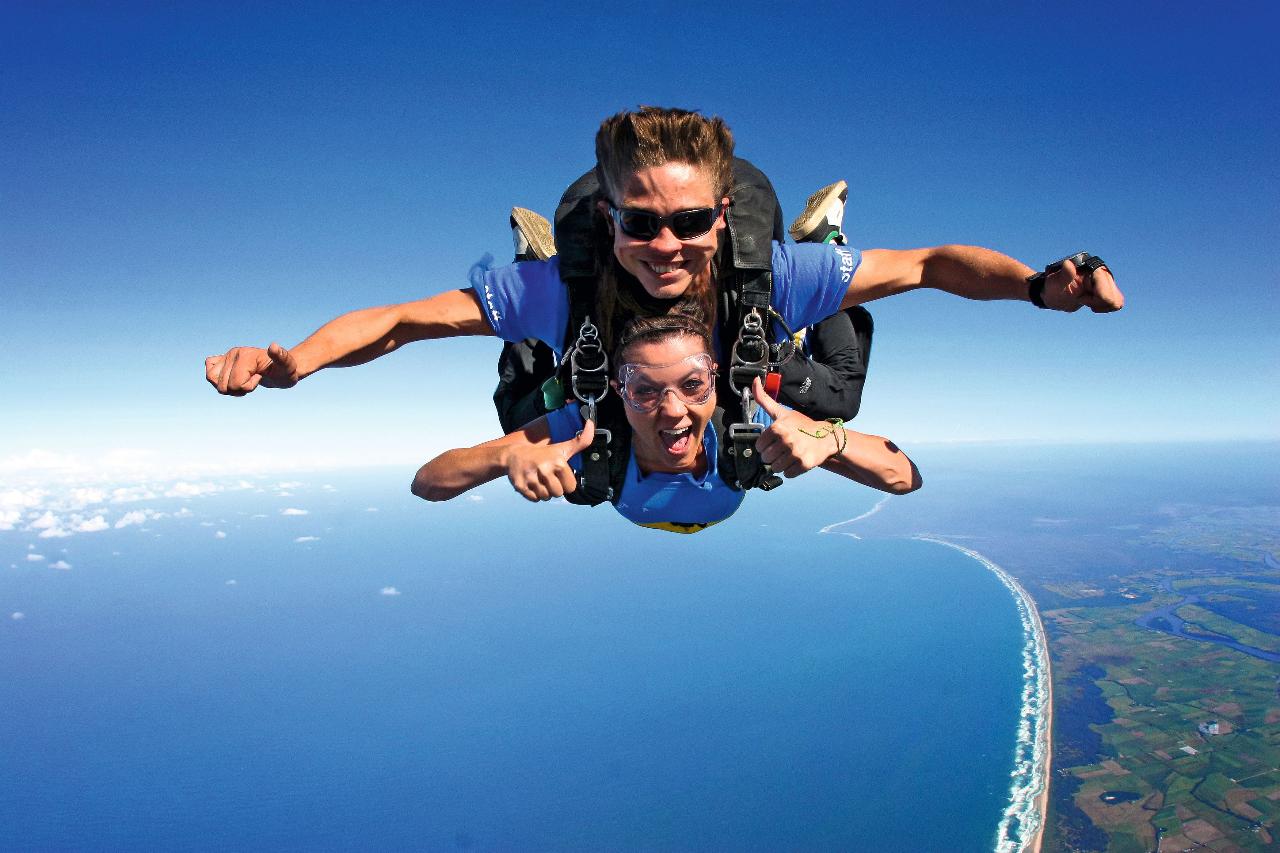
<point x="1046" y="737"/>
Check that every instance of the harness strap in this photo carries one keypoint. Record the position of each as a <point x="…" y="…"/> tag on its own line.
<point x="595" y="477"/>
<point x="739" y="463"/>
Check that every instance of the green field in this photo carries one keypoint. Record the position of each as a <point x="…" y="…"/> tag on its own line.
<point x="1201" y="791"/>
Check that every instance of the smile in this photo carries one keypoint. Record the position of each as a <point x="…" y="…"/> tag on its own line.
<point x="662" y="269"/>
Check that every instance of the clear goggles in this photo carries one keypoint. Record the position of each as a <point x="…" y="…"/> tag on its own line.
<point x="692" y="379"/>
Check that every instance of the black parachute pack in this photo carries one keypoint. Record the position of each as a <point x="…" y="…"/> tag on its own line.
<point x="532" y="382"/>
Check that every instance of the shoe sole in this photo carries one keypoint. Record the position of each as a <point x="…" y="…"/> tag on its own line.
<point x="537" y="230"/>
<point x="815" y="210"/>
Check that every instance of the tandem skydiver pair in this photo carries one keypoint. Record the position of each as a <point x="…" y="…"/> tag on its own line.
<point x="660" y="171"/>
<point x="670" y="456"/>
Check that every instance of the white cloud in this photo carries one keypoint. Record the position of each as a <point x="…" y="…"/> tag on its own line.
<point x="61" y="564"/>
<point x="92" y="525"/>
<point x="328" y="488"/>
<point x="133" y="516"/>
<point x="132" y="494"/>
<point x="390" y="590"/>
<point x="289" y="484"/>
<point x="294" y="511"/>
<point x="34" y="558"/>
<point x="307" y="539"/>
<point x="83" y="497"/>
<point x="475" y="499"/>
<point x="259" y="515"/>
<point x="22" y="499"/>
<point x="54" y="533"/>
<point x="232" y="582"/>
<point x="185" y="512"/>
<point x="44" y="522"/>
<point x="17" y="616"/>
<point x="183" y="489"/>
<point x="9" y="518"/>
<point x="221" y="534"/>
<point x="206" y="524"/>
<point x="371" y="509"/>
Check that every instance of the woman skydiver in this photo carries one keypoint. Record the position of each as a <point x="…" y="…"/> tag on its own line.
<point x="665" y="376"/>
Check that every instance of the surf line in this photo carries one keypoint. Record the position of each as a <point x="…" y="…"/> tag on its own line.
<point x="879" y="506"/>
<point x="1021" y="828"/>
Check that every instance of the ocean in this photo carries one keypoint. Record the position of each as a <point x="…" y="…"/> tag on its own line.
<point x="329" y="663"/>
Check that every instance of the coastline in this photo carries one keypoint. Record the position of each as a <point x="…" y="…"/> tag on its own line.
<point x="1042" y="801"/>
<point x="1030" y="794"/>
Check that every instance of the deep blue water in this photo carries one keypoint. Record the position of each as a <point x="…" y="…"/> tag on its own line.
<point x="548" y="678"/>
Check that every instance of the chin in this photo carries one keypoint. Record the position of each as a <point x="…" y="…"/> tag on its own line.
<point x="666" y="290"/>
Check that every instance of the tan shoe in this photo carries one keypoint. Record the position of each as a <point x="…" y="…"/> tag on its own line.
<point x="822" y="216"/>
<point x="532" y="235"/>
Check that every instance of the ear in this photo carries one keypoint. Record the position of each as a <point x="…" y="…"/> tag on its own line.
<point x="603" y="207"/>
<point x="723" y="219"/>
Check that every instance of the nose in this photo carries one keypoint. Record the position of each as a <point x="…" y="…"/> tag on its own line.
<point x="666" y="240"/>
<point x="672" y="404"/>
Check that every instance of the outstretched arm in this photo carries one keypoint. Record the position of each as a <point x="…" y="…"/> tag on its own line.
<point x="977" y="273"/>
<point x="795" y="443"/>
<point x="354" y="338"/>
<point x="537" y="468"/>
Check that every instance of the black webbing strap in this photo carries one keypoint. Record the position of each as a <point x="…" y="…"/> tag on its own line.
<point x="738" y="462"/>
<point x="584" y="374"/>
<point x="741" y="468"/>
<point x="1084" y="262"/>
<point x="604" y="462"/>
<point x="594" y="486"/>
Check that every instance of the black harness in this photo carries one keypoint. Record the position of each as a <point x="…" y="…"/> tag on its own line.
<point x="744" y="311"/>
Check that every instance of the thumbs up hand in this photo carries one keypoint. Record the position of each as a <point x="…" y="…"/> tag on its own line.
<point x="541" y="472"/>
<point x="793" y="443"/>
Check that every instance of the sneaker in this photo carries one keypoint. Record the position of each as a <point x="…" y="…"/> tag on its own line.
<point x="532" y="235"/>
<point x="820" y="222"/>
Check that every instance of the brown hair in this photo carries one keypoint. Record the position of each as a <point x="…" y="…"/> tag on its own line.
<point x="625" y="144"/>
<point x="655" y="136"/>
<point x="645" y="330"/>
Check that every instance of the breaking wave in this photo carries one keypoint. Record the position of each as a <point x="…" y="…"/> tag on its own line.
<point x="1021" y="823"/>
<point x="879" y="506"/>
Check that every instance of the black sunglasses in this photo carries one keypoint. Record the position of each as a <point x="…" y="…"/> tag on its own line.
<point x="686" y="225"/>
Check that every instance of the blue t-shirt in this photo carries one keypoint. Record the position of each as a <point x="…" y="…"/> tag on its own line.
<point x="528" y="300"/>
<point x="681" y="503"/>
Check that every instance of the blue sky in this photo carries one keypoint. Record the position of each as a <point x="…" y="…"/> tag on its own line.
<point x="179" y="178"/>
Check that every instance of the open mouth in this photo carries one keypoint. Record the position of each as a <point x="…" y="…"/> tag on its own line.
<point x="676" y="441"/>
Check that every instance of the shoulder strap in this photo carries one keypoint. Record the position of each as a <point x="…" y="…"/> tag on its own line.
<point x="604" y="463"/>
<point x="737" y="462"/>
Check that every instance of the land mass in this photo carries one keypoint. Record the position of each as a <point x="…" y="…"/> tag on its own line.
<point x="1163" y="625"/>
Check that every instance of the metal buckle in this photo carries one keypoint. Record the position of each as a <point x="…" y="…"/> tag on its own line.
<point x="588" y="345"/>
<point x="742" y="370"/>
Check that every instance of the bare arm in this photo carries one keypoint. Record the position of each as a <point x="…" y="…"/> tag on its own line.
<point x="354" y="338"/>
<point x="977" y="273"/>
<point x="876" y="462"/>
<point x="795" y="443"/>
<point x="537" y="468"/>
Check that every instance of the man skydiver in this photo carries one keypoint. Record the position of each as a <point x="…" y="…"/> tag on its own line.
<point x="666" y="175"/>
